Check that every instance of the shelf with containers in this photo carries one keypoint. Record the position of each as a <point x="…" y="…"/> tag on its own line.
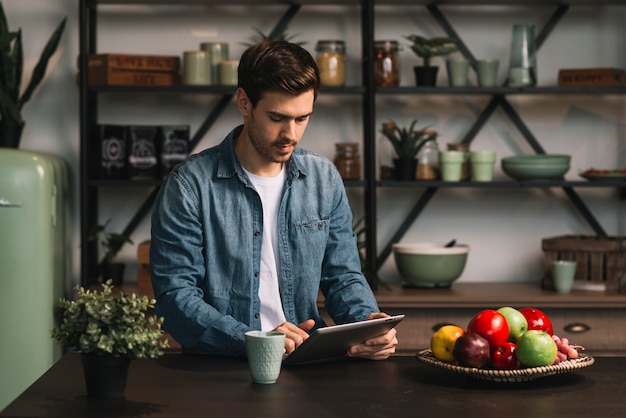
<point x="95" y="98"/>
<point x="496" y="98"/>
<point x="363" y="90"/>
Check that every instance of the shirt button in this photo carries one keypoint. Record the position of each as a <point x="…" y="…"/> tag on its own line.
<point x="256" y="274"/>
<point x="319" y="226"/>
<point x="257" y="315"/>
<point x="257" y="233"/>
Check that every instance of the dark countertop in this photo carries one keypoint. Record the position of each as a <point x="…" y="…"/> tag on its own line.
<point x="202" y="386"/>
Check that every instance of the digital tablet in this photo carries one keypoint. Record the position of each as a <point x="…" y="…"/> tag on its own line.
<point x="334" y="341"/>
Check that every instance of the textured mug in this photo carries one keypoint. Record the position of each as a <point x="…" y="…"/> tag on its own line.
<point x="265" y="355"/>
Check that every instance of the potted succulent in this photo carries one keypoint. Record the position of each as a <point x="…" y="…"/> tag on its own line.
<point x="112" y="243"/>
<point x="109" y="330"/>
<point x="12" y="63"/>
<point x="426" y="75"/>
<point x="407" y="143"/>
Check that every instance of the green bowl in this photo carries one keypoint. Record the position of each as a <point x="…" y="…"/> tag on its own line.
<point x="427" y="264"/>
<point x="536" y="167"/>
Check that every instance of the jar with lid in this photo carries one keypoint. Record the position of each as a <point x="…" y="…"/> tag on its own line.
<point x="428" y="158"/>
<point x="466" y="170"/>
<point x="331" y="60"/>
<point x="348" y="160"/>
<point x="386" y="64"/>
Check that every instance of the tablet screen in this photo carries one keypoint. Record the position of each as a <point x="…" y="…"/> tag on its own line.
<point x="334" y="341"/>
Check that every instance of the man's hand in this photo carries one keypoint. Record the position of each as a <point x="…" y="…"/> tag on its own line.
<point x="295" y="334"/>
<point x="377" y="348"/>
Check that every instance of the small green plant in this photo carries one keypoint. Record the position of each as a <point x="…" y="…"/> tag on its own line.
<point x="434" y="47"/>
<point x="12" y="63"/>
<point x="407" y="142"/>
<point x="111" y="241"/>
<point x="281" y="36"/>
<point x="100" y="323"/>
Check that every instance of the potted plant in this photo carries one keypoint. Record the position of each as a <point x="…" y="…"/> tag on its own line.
<point x="12" y="62"/>
<point x="109" y="330"/>
<point x="112" y="243"/>
<point x="426" y="75"/>
<point x="407" y="143"/>
<point x="282" y="35"/>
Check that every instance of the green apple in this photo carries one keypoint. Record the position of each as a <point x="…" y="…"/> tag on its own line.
<point x="535" y="349"/>
<point x="517" y="322"/>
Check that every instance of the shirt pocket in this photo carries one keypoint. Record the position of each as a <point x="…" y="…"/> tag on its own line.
<point x="311" y="238"/>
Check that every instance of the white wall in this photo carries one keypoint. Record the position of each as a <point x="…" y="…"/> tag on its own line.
<point x="504" y="227"/>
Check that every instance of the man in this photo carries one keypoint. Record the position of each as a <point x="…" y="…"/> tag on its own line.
<point x="246" y="233"/>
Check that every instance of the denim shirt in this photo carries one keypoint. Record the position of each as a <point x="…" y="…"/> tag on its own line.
<point x="205" y="253"/>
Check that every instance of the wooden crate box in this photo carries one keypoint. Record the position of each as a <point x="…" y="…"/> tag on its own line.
<point x="600" y="260"/>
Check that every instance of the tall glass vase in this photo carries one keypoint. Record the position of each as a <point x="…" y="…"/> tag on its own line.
<point x="523" y="66"/>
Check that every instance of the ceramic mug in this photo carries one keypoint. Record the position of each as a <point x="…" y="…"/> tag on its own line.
<point x="563" y="273"/>
<point x="482" y="165"/>
<point x="458" y="71"/>
<point x="265" y="355"/>
<point x="487" y="70"/>
<point x="451" y="165"/>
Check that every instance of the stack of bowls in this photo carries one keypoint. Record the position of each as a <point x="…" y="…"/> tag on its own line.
<point x="536" y="167"/>
<point x="429" y="264"/>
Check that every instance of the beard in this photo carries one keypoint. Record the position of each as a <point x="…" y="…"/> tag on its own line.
<point x="277" y="151"/>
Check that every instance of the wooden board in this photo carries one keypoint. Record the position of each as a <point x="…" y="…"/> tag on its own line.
<point x="99" y="77"/>
<point x="134" y="62"/>
<point x="592" y="77"/>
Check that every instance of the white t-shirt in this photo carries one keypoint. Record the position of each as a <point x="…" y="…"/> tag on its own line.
<point x="270" y="190"/>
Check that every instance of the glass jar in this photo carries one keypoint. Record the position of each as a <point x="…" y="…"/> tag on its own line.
<point x="386" y="64"/>
<point x="428" y="159"/>
<point x="466" y="170"/>
<point x="331" y="60"/>
<point x="348" y="161"/>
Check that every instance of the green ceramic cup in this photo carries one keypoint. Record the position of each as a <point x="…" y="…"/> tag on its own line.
<point x="563" y="273"/>
<point x="458" y="71"/>
<point x="265" y="355"/>
<point x="451" y="165"/>
<point x="487" y="72"/>
<point x="482" y="165"/>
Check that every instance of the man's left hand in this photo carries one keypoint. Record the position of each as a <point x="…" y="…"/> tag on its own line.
<point x="377" y="348"/>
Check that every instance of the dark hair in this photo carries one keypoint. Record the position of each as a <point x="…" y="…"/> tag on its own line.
<point x="279" y="66"/>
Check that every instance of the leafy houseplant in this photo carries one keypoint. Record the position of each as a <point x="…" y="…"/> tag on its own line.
<point x="281" y="35"/>
<point x="11" y="64"/>
<point x="407" y="143"/>
<point x="109" y="329"/>
<point x="426" y="49"/>
<point x="112" y="242"/>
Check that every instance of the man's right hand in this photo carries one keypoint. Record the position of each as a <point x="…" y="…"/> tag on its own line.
<point x="295" y="334"/>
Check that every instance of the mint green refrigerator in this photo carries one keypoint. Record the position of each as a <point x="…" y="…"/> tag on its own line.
<point x="34" y="261"/>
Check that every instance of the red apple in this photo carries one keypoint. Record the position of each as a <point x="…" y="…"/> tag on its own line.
<point x="491" y="325"/>
<point x="537" y="320"/>
<point x="504" y="358"/>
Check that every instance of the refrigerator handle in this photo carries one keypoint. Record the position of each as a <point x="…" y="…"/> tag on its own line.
<point x="6" y="204"/>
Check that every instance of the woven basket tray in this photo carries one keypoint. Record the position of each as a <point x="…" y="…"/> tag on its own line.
<point x="518" y="375"/>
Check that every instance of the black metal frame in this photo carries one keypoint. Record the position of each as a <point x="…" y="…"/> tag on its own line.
<point x="89" y="110"/>
<point x="498" y="100"/>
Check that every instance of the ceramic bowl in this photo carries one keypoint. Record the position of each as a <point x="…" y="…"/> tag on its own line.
<point x="536" y="167"/>
<point x="429" y="264"/>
